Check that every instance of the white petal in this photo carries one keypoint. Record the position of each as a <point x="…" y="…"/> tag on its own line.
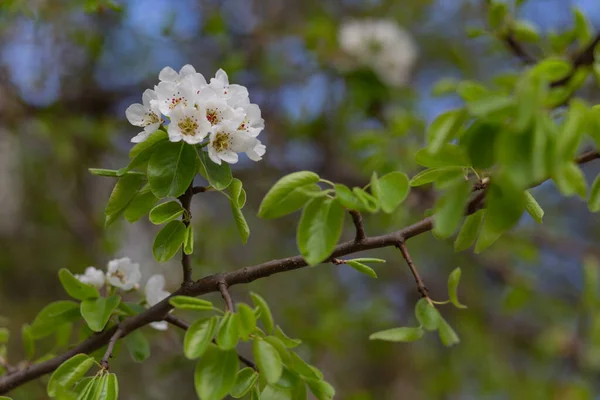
<point x="152" y="127"/>
<point x="148" y="95"/>
<point x="229" y="156"/>
<point x="213" y="155"/>
<point x="160" y="325"/>
<point x="222" y="77"/>
<point x="136" y="114"/>
<point x="186" y="70"/>
<point x="140" y="137"/>
<point x="168" y="74"/>
<point x="257" y="152"/>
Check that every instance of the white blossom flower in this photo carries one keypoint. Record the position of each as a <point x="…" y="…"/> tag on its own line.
<point x="188" y="124"/>
<point x="146" y="115"/>
<point x="253" y="124"/>
<point x="216" y="109"/>
<point x="124" y="274"/>
<point x="168" y="74"/>
<point x="381" y="45"/>
<point x="234" y="94"/>
<point x="226" y="141"/>
<point x="155" y="293"/>
<point x="92" y="276"/>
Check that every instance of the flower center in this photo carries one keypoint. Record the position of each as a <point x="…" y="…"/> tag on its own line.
<point x="152" y="118"/>
<point x="119" y="274"/>
<point x="244" y="125"/>
<point x="188" y="126"/>
<point x="221" y="142"/>
<point x="176" y="99"/>
<point x="212" y="116"/>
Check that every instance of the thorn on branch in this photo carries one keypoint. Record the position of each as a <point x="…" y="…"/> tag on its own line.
<point x="358" y="223"/>
<point x="111" y="345"/>
<point x="420" y="285"/>
<point x="223" y="288"/>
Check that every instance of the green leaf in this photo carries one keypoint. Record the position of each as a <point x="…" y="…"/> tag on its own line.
<point x="404" y="334"/>
<point x="432" y="174"/>
<point x="453" y="281"/>
<point x="168" y="241"/>
<point x="533" y="208"/>
<point x="427" y="315"/>
<point x="268" y="360"/>
<point x="198" y="337"/>
<point x="141" y="204"/>
<point x="447" y="334"/>
<point x="594" y="200"/>
<point x="228" y="333"/>
<point x="190" y="303"/>
<point x="237" y="193"/>
<point x="219" y="176"/>
<point x="90" y="390"/>
<point x="287" y="194"/>
<point x="280" y="347"/>
<point x="362" y="268"/>
<point x="166" y="212"/>
<point x="496" y="14"/>
<point x="247" y="321"/>
<point x="368" y="201"/>
<point x="468" y="233"/>
<point x="504" y="206"/>
<point x="347" y="199"/>
<point x="137" y="346"/>
<point x="154" y="138"/>
<point x="4" y="335"/>
<point x="583" y="29"/>
<point x="171" y="169"/>
<point x="303" y="368"/>
<point x="124" y="192"/>
<point x="75" y="288"/>
<point x="244" y="381"/>
<point x="552" y="69"/>
<point x="320" y="229"/>
<point x="525" y="31"/>
<point x="570" y="180"/>
<point x="471" y="91"/>
<point x="444" y="86"/>
<point x="391" y="191"/>
<point x="568" y="140"/>
<point x="69" y="372"/>
<point x="450" y="155"/>
<point x="215" y="373"/>
<point x="188" y="240"/>
<point x="444" y="128"/>
<point x="493" y="103"/>
<point x="265" y="312"/>
<point x="450" y="208"/>
<point x="487" y="236"/>
<point x="96" y="312"/>
<point x="52" y="316"/>
<point x="28" y="341"/>
<point x="103" y="172"/>
<point x="286" y="340"/>
<point x="240" y="222"/>
<point x="108" y="388"/>
<point x="321" y="389"/>
<point x="145" y="150"/>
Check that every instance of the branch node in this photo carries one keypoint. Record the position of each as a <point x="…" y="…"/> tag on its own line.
<point x="337" y="261"/>
<point x="358" y="223"/>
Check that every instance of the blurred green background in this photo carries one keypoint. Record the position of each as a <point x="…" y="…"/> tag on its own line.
<point x="68" y="71"/>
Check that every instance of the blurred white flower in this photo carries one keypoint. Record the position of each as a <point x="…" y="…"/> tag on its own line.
<point x="146" y="115"/>
<point x="381" y="45"/>
<point x="226" y="141"/>
<point x="92" y="276"/>
<point x="234" y="94"/>
<point x="124" y="274"/>
<point x="168" y="74"/>
<point x="155" y="293"/>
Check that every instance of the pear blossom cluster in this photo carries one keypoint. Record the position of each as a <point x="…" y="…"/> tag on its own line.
<point x="124" y="274"/>
<point x="215" y="113"/>
<point x="382" y="45"/>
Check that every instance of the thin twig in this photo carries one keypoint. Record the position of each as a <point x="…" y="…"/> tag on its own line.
<point x="178" y="322"/>
<point x="517" y="49"/>
<point x="420" y="285"/>
<point x="186" y="201"/>
<point x="222" y="286"/>
<point x="111" y="345"/>
<point x="358" y="223"/>
<point x="584" y="58"/>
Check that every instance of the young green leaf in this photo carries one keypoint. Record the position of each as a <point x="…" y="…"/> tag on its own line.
<point x="90" y="390"/>
<point x="168" y="241"/>
<point x="240" y="222"/>
<point x="570" y="180"/>
<point x="198" y="337"/>
<point x="141" y="204"/>
<point x="533" y="208"/>
<point x="69" y="372"/>
<point x="286" y="340"/>
<point x="52" y="316"/>
<point x="432" y="174"/>
<point x="404" y="334"/>
<point x="369" y="260"/>
<point x="321" y="389"/>
<point x="228" y="333"/>
<point x="444" y="128"/>
<point x="219" y="176"/>
<point x="449" y="155"/>
<point x="137" y="346"/>
<point x="303" y="368"/>
<point x="287" y="194"/>
<point x="391" y="190"/>
<point x="572" y="130"/>
<point x="166" y="212"/>
<point x="453" y="280"/>
<point x="347" y="199"/>
<point x="427" y="315"/>
<point x="28" y="341"/>
<point x="525" y="31"/>
<point x="247" y="321"/>
<point x="319" y="229"/>
<point x="104" y="172"/>
<point x="75" y="288"/>
<point x="268" y="360"/>
<point x="171" y="169"/>
<point x="157" y="136"/>
<point x="450" y="208"/>
<point x="447" y="334"/>
<point x="265" y="312"/>
<point x="245" y="380"/>
<point x="215" y="373"/>
<point x="143" y="153"/>
<point x="487" y="236"/>
<point x="497" y="13"/>
<point x="504" y="206"/>
<point x="124" y="192"/>
<point x="96" y="312"/>
<point x="594" y="200"/>
<point x="4" y="335"/>
<point x="469" y="230"/>
<point x="280" y="347"/>
<point x="237" y="193"/>
<point x="190" y="303"/>
<point x="108" y="388"/>
<point x="493" y="103"/>
<point x="188" y="240"/>
<point x="362" y="268"/>
<point x="369" y="202"/>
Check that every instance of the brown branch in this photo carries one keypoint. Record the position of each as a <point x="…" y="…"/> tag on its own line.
<point x="109" y="349"/>
<point x="178" y="322"/>
<point x="210" y="283"/>
<point x="420" y="284"/>
<point x="186" y="201"/>
<point x="517" y="49"/>
<point x="358" y="223"/>
<point x="199" y="189"/>
<point x="584" y="58"/>
<point x="222" y="286"/>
